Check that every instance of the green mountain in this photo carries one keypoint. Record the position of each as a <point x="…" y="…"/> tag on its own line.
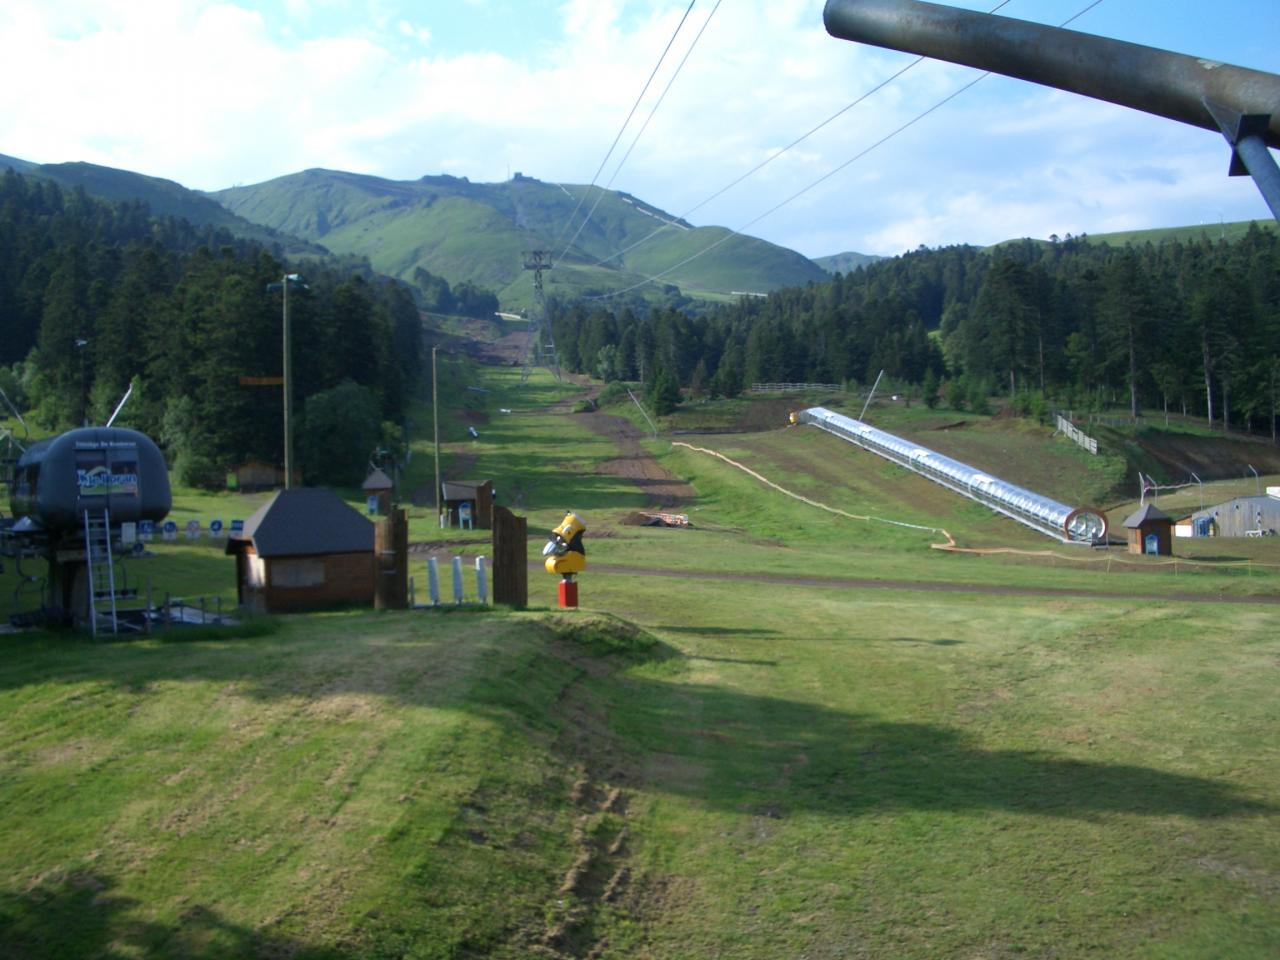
<point x="479" y="233"/>
<point x="1214" y="232"/>
<point x="165" y="198"/>
<point x="846" y="262"/>
<point x="19" y="166"/>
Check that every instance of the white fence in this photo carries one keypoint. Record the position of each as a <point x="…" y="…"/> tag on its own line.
<point x="792" y="387"/>
<point x="1075" y="433"/>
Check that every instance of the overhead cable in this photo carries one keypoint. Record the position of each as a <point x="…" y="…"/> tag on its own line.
<point x="778" y="153"/>
<point x="826" y="176"/>
<point x="623" y="128"/>
<point x="644" y="126"/>
<point x="663" y="96"/>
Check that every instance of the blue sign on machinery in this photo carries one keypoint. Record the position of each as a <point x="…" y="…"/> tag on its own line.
<point x="215" y="528"/>
<point x="170" y="530"/>
<point x="146" y="530"/>
<point x="237" y="527"/>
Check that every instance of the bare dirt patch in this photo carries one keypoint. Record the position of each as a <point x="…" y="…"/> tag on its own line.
<point x="661" y="487"/>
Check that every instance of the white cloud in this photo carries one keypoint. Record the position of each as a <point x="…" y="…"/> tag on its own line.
<point x="216" y="93"/>
<point x="407" y="29"/>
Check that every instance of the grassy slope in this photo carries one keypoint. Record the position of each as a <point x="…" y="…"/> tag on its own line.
<point x="326" y="789"/>
<point x="165" y="198"/>
<point x="1213" y="232"/>
<point x="437" y="223"/>
<point x="846" y="262"/>
<point x="823" y="772"/>
<point x="892" y="776"/>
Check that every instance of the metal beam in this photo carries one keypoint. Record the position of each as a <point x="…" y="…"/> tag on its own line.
<point x="1171" y="85"/>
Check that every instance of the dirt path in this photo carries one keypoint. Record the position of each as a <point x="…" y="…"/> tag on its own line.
<point x="661" y="487"/>
<point x="853" y="583"/>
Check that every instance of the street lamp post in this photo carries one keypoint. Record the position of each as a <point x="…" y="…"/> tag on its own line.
<point x="84" y="388"/>
<point x="435" y="422"/>
<point x="288" y="280"/>
<point x="288" y="392"/>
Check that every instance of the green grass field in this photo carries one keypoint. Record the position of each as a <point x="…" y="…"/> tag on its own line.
<point x="780" y="733"/>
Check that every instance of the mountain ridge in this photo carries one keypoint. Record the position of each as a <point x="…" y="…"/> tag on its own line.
<point x="435" y="222"/>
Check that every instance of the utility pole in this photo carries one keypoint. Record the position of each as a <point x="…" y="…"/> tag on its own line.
<point x="435" y="419"/>
<point x="287" y="281"/>
<point x="537" y="261"/>
<point x="288" y="392"/>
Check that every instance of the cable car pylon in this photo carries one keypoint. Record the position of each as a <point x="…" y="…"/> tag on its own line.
<point x="542" y="344"/>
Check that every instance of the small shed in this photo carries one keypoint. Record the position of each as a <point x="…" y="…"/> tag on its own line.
<point x="304" y="549"/>
<point x="255" y="475"/>
<point x="1241" y="517"/>
<point x="472" y="498"/>
<point x="1150" y="531"/>
<point x="377" y="491"/>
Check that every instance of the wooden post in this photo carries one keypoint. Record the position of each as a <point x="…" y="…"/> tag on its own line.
<point x="391" y="554"/>
<point x="510" y="558"/>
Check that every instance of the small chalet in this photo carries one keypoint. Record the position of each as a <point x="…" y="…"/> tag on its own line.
<point x="469" y="501"/>
<point x="304" y="549"/>
<point x="1150" y="531"/>
<point x="255" y="475"/>
<point x="377" y="491"/>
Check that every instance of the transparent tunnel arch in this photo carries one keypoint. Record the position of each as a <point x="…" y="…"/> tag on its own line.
<point x="1082" y="525"/>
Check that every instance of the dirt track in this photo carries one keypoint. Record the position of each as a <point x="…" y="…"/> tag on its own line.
<point x="661" y="487"/>
<point x="665" y="490"/>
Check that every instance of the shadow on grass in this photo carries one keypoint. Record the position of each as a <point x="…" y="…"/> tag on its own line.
<point x="79" y="916"/>
<point x="719" y="631"/>
<point x="790" y="755"/>
<point x="747" y="748"/>
<point x="752" y="663"/>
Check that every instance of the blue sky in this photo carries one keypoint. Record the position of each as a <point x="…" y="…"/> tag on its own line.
<point x="213" y="93"/>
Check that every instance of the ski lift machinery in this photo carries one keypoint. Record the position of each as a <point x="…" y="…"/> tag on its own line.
<point x="1082" y="525"/>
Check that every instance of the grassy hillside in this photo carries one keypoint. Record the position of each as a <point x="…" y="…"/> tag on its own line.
<point x="1205" y="231"/>
<point x="846" y="262"/>
<point x="20" y="166"/>
<point x="479" y="233"/>
<point x="778" y="733"/>
<point x="165" y="198"/>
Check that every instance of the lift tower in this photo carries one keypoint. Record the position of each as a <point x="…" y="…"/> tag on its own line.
<point x="542" y="345"/>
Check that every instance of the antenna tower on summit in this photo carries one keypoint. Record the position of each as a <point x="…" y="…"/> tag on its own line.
<point x="542" y="345"/>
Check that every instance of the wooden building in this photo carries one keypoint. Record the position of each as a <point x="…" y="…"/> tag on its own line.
<point x="377" y="491"/>
<point x="304" y="549"/>
<point x="256" y="475"/>
<point x="468" y="497"/>
<point x="1241" y="517"/>
<point x="1150" y="531"/>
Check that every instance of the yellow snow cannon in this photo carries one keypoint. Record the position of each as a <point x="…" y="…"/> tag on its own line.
<point x="566" y="556"/>
<point x="564" y="551"/>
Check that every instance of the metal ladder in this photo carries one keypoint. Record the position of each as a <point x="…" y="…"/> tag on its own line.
<point x="100" y="565"/>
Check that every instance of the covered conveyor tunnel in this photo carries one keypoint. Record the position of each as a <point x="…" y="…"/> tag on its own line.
<point x="1081" y="525"/>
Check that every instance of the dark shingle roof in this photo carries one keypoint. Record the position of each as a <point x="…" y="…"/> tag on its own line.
<point x="306" y="521"/>
<point x="1144" y="515"/>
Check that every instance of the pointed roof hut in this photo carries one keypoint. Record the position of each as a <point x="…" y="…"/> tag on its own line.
<point x="1150" y="531"/>
<point x="304" y="549"/>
